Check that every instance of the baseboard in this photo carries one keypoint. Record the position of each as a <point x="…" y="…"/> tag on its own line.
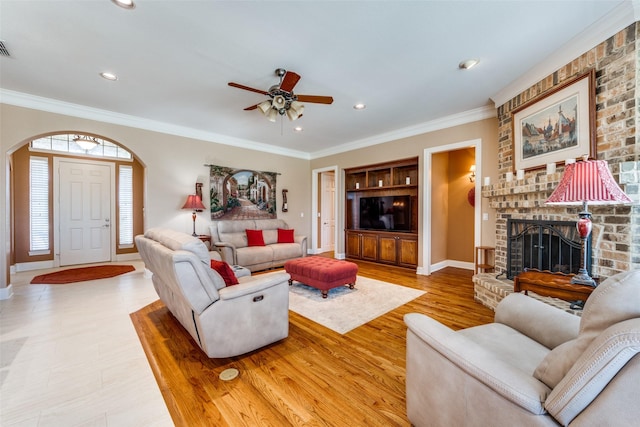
<point x="135" y="256"/>
<point x="6" y="293"/>
<point x="439" y="265"/>
<point x="341" y="255"/>
<point x="452" y="263"/>
<point x="38" y="265"/>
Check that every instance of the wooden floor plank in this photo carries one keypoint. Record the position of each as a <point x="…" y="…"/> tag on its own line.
<point x="314" y="377"/>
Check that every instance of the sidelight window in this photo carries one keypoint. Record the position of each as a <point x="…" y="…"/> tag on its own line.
<point x="39" y="206"/>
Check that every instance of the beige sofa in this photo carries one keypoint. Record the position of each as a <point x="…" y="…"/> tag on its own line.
<point x="229" y="238"/>
<point x="224" y="321"/>
<point x="535" y="366"/>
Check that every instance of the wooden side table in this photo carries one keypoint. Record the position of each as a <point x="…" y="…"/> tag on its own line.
<point x="551" y="284"/>
<point x="206" y="239"/>
<point x="485" y="258"/>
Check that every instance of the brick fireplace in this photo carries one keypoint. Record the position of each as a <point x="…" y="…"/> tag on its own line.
<point x="616" y="231"/>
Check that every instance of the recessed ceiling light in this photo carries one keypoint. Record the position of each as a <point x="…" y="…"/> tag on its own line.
<point x="127" y="4"/>
<point x="468" y="64"/>
<point x="359" y="106"/>
<point x="298" y="129"/>
<point x="109" y="76"/>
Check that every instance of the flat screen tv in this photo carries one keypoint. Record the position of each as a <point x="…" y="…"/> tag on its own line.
<point x="392" y="213"/>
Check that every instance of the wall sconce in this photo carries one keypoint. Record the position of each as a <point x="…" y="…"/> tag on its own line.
<point x="472" y="176"/>
<point x="285" y="207"/>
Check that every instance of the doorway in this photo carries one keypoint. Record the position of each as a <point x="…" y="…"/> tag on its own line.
<point x="431" y="198"/>
<point x="324" y="205"/>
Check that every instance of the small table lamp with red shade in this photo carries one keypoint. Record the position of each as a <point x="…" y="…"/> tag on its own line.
<point x="193" y="203"/>
<point x="588" y="181"/>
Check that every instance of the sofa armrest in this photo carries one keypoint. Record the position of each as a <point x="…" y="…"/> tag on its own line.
<point x="607" y="354"/>
<point x="303" y="243"/>
<point x="507" y="380"/>
<point x="254" y="284"/>
<point x="539" y="321"/>
<point x="227" y="251"/>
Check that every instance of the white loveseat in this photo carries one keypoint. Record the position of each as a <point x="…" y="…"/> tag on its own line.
<point x="224" y="321"/>
<point x="229" y="238"/>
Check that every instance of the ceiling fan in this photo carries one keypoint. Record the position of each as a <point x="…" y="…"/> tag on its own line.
<point x="282" y="100"/>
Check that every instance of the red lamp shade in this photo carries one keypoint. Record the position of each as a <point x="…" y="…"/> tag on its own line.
<point x="194" y="203"/>
<point x="590" y="182"/>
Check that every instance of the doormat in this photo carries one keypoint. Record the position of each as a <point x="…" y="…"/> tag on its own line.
<point x="73" y="275"/>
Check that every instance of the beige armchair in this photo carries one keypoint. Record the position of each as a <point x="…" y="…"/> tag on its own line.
<point x="534" y="366"/>
<point x="224" y="321"/>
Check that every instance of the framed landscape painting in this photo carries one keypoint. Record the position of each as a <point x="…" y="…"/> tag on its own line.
<point x="557" y="126"/>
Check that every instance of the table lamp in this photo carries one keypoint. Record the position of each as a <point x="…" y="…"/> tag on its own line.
<point x="193" y="203"/>
<point x="588" y="181"/>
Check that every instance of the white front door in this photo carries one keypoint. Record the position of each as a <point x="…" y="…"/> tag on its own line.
<point x="84" y="192"/>
<point x="327" y="216"/>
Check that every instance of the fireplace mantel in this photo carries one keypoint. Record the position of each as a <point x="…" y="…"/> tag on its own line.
<point x="518" y="193"/>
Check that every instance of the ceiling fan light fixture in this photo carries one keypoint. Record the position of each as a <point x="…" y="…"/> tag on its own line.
<point x="292" y="114"/>
<point x="272" y="115"/>
<point x="279" y="102"/>
<point x="265" y="107"/>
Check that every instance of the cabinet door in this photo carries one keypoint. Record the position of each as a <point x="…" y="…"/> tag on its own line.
<point x="388" y="249"/>
<point x="369" y="245"/>
<point x="353" y="245"/>
<point x="408" y="251"/>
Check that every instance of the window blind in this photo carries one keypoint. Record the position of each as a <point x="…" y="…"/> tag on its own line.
<point x="125" y="205"/>
<point x="38" y="204"/>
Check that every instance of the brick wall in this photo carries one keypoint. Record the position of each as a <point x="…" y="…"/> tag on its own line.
<point x="616" y="232"/>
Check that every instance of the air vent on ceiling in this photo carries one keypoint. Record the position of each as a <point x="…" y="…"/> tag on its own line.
<point x="3" y="49"/>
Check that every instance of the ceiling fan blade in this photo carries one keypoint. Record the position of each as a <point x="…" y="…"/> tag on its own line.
<point x="315" y="98"/>
<point x="289" y="81"/>
<point x="239" y="86"/>
<point x="253" y="107"/>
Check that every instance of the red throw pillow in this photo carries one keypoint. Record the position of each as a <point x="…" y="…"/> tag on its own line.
<point x="285" y="236"/>
<point x="254" y="238"/>
<point x="225" y="271"/>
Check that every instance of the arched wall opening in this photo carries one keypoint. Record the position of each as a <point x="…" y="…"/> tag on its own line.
<point x="21" y="257"/>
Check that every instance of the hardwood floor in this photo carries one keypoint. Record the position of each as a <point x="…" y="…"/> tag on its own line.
<point x="315" y="377"/>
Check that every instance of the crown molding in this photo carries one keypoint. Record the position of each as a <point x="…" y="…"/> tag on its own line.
<point x="34" y="102"/>
<point x="20" y="99"/>
<point x="619" y="18"/>
<point x="465" y="117"/>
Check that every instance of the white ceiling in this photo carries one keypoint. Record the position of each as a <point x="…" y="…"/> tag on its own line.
<point x="175" y="58"/>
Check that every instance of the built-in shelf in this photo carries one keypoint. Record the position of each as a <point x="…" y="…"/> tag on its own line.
<point x="399" y="174"/>
<point x="389" y="246"/>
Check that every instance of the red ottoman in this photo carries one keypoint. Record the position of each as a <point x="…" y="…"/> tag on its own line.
<point x="322" y="273"/>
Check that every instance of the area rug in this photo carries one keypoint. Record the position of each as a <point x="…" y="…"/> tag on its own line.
<point x="82" y="274"/>
<point x="345" y="309"/>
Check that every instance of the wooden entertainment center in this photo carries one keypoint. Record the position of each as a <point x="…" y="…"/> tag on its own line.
<point x="380" y="227"/>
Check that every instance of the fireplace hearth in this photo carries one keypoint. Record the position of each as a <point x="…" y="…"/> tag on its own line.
<point x="544" y="245"/>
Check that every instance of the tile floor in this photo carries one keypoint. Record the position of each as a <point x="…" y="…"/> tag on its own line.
<point x="69" y="355"/>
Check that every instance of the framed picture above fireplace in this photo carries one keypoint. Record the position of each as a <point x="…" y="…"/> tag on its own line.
<point x="556" y="126"/>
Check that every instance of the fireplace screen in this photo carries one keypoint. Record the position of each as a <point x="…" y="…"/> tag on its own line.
<point x="544" y="245"/>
